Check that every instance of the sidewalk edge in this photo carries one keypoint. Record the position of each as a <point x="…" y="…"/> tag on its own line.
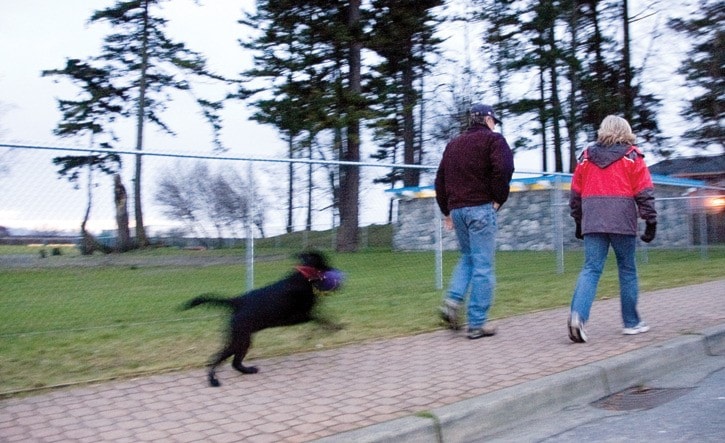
<point x="494" y="412"/>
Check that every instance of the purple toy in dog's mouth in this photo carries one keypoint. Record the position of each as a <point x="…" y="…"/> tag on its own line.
<point x="324" y="281"/>
<point x="331" y="280"/>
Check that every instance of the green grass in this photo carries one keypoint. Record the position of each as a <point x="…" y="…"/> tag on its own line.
<point x="64" y="325"/>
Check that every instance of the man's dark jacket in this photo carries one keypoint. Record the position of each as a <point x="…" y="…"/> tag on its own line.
<point x="476" y="169"/>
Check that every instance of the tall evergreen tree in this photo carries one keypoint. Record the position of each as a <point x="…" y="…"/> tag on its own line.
<point x="402" y="35"/>
<point x="147" y="64"/>
<point x="310" y="52"/>
<point x="610" y="83"/>
<point x="296" y="96"/>
<point x="91" y="115"/>
<point x="578" y="38"/>
<point x="530" y="28"/>
<point x="573" y="73"/>
<point x="354" y="107"/>
<point x="705" y="68"/>
<point x="549" y="13"/>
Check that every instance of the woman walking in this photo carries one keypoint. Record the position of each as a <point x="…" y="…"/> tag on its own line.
<point x="611" y="188"/>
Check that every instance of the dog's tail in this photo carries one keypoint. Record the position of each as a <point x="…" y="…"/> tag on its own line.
<point x="211" y="299"/>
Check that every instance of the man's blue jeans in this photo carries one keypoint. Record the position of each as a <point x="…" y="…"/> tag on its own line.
<point x="596" y="247"/>
<point x="475" y="228"/>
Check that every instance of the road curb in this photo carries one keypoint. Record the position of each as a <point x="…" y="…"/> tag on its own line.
<point x="492" y="413"/>
<point x="715" y="340"/>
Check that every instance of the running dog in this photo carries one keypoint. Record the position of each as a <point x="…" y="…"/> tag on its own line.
<point x="287" y="302"/>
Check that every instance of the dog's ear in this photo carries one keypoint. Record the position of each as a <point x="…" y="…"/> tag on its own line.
<point x="314" y="259"/>
<point x="304" y="259"/>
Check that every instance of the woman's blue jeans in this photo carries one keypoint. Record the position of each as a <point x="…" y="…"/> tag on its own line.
<point x="475" y="228"/>
<point x="596" y="247"/>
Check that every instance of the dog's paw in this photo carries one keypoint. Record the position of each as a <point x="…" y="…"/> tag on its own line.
<point x="247" y="369"/>
<point x="213" y="382"/>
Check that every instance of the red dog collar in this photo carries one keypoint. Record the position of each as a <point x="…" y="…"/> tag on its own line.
<point x="310" y="273"/>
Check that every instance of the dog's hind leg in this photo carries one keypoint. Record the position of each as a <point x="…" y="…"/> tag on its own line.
<point x="216" y="361"/>
<point x="241" y="346"/>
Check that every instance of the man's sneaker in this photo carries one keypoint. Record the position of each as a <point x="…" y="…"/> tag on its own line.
<point x="576" y="329"/>
<point x="449" y="314"/>
<point x="639" y="329"/>
<point x="485" y="331"/>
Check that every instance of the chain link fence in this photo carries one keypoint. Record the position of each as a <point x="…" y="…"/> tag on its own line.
<point x="58" y="307"/>
<point x="201" y="201"/>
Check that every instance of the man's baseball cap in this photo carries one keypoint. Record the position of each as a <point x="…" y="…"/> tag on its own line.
<point x="479" y="109"/>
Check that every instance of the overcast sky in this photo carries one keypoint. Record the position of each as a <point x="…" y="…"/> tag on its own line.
<point x="41" y="34"/>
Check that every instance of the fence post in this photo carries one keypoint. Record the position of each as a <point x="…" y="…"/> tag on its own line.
<point x="250" y="239"/>
<point x="438" y="248"/>
<point x="364" y="238"/>
<point x="703" y="230"/>
<point x="558" y="224"/>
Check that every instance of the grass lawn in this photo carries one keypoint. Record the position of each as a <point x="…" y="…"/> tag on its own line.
<point x="73" y="324"/>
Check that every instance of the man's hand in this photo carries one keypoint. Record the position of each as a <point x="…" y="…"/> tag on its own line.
<point x="448" y="222"/>
<point x="649" y="232"/>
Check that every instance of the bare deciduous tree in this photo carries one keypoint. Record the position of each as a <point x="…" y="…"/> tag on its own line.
<point x="203" y="200"/>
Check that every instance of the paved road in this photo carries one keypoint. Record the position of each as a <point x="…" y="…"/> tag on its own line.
<point x="697" y="414"/>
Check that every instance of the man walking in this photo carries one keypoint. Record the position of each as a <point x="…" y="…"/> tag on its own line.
<point x="471" y="184"/>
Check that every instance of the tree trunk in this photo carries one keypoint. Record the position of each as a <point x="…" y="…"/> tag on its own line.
<point x="141" y="240"/>
<point x="542" y="120"/>
<point x="89" y="244"/>
<point x="555" y="102"/>
<point x="411" y="177"/>
<point x="599" y="71"/>
<point x="290" y="186"/>
<point x="572" y="123"/>
<point x="627" y="86"/>
<point x="308" y="224"/>
<point x="123" y="236"/>
<point x="347" y="239"/>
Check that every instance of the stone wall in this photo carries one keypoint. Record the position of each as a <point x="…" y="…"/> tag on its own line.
<point x="536" y="218"/>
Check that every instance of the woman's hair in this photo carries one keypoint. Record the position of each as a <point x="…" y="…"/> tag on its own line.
<point x="615" y="130"/>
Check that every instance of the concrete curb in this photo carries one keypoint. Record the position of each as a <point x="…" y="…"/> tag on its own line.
<point x="715" y="340"/>
<point x="492" y="413"/>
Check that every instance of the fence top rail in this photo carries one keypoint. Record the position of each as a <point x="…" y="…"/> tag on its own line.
<point x="149" y="153"/>
<point x="533" y="175"/>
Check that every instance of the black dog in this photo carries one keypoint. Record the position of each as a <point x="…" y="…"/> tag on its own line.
<point x="289" y="301"/>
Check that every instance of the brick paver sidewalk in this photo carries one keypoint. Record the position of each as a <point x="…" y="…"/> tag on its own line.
<point x="308" y="396"/>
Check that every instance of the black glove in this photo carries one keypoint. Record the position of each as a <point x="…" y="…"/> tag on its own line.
<point x="649" y="232"/>
<point x="578" y="232"/>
